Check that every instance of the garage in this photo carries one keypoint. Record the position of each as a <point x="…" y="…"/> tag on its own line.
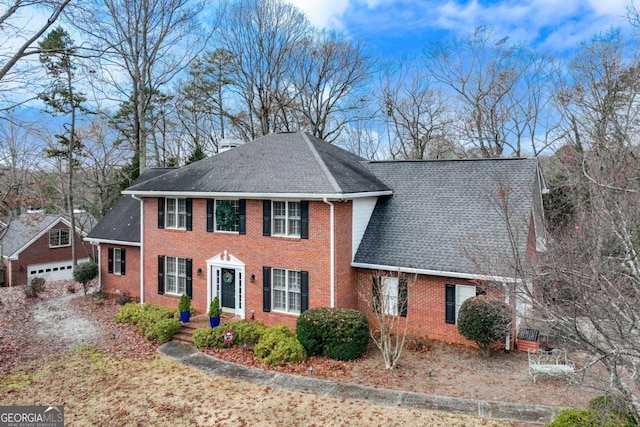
<point x="59" y="270"/>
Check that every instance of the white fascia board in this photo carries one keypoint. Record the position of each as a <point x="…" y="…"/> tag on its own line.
<point x="304" y="196"/>
<point x="426" y="272"/>
<point x="110" y="242"/>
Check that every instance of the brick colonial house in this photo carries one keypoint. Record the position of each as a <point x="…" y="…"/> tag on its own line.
<point x="39" y="245"/>
<point x="290" y="222"/>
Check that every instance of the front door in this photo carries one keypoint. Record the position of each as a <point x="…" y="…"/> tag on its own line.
<point x="228" y="299"/>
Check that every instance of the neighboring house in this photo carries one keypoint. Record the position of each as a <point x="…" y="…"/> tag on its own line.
<point x="289" y="222"/>
<point x="39" y="245"/>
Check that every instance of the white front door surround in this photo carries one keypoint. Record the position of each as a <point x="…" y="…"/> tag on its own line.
<point x="218" y="268"/>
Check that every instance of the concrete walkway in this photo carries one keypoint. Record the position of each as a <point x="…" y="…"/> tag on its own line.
<point x="189" y="355"/>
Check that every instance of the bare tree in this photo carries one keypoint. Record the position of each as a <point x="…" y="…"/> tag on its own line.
<point x="500" y="89"/>
<point x="149" y="42"/>
<point x="388" y="298"/>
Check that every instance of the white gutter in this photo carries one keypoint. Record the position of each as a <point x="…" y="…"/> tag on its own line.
<point x="111" y="242"/>
<point x="332" y="250"/>
<point x="452" y="274"/>
<point x="244" y="195"/>
<point x="141" y="247"/>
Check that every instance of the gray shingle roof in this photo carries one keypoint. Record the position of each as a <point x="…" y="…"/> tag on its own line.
<point x="28" y="225"/>
<point x="122" y="222"/>
<point x="444" y="215"/>
<point x="279" y="163"/>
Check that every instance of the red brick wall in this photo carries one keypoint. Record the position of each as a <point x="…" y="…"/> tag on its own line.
<point x="39" y="252"/>
<point x="426" y="308"/>
<point x="253" y="249"/>
<point x="117" y="283"/>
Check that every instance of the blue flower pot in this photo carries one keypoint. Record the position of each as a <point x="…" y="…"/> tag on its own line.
<point x="185" y="316"/>
<point x="214" y="321"/>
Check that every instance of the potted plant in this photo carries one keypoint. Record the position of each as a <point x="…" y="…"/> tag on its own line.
<point x="184" y="306"/>
<point x="214" y="312"/>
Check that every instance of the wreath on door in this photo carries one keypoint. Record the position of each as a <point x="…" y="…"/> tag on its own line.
<point x="225" y="215"/>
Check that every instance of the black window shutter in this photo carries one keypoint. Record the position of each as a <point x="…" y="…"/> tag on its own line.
<point x="161" y="274"/>
<point x="450" y="304"/>
<point x="242" y="216"/>
<point x="266" y="217"/>
<point x="188" y="204"/>
<point x="375" y="295"/>
<point x="210" y="208"/>
<point x="266" y="289"/>
<point x="122" y="261"/>
<point x="110" y="259"/>
<point x="403" y="297"/>
<point x="189" y="284"/>
<point x="304" y="219"/>
<point x="304" y="291"/>
<point x="160" y="212"/>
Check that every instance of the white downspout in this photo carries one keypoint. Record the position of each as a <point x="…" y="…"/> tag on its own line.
<point x="141" y="247"/>
<point x="507" y="300"/>
<point x="332" y="250"/>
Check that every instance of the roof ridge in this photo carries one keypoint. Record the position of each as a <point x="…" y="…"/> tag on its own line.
<point x="322" y="164"/>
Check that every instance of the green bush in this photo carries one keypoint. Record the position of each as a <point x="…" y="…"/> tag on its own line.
<point x="129" y="313"/>
<point x="185" y="303"/>
<point x="84" y="273"/>
<point x="165" y="329"/>
<point x="612" y="408"/>
<point x="209" y="337"/>
<point x="588" y="418"/>
<point x="36" y="286"/>
<point x="337" y="333"/>
<point x="484" y="320"/>
<point x="246" y="334"/>
<point x="152" y="314"/>
<point x="279" y="346"/>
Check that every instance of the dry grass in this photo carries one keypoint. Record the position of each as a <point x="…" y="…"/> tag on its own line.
<point x="102" y="390"/>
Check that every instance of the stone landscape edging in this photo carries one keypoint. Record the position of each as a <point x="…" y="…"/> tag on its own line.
<point x="190" y="356"/>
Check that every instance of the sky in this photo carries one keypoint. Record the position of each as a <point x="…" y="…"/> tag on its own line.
<point x="390" y="27"/>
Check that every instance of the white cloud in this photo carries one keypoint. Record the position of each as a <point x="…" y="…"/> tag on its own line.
<point x="323" y="13"/>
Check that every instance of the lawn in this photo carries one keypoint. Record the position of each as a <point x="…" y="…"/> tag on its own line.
<point x="104" y="390"/>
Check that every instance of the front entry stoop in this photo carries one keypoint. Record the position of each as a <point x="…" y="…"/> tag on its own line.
<point x="185" y="334"/>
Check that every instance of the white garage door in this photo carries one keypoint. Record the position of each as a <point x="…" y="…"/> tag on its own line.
<point x="60" y="270"/>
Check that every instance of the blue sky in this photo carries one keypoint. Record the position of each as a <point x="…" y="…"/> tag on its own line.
<point x="391" y="26"/>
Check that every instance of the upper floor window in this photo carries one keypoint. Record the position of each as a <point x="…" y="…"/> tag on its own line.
<point x="286" y="218"/>
<point x="227" y="215"/>
<point x="59" y="237"/>
<point x="176" y="213"/>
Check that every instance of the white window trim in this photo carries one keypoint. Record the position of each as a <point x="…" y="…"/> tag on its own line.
<point x="175" y="215"/>
<point x="287" y="303"/>
<point x="58" y="232"/>
<point x="215" y="211"/>
<point x="390" y="294"/>
<point x="463" y="292"/>
<point x="286" y="218"/>
<point x="117" y="261"/>
<point x="175" y="275"/>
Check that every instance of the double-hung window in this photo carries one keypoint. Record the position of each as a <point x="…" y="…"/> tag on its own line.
<point x="286" y="218"/>
<point x="286" y="290"/>
<point x="116" y="260"/>
<point x="455" y="295"/>
<point x="227" y="215"/>
<point x="59" y="237"/>
<point x="176" y="275"/>
<point x="176" y="213"/>
<point x="390" y="295"/>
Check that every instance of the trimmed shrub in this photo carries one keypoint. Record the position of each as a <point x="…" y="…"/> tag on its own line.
<point x="337" y="333"/>
<point x="165" y="329"/>
<point x="484" y="320"/>
<point x="36" y="286"/>
<point x="209" y="337"/>
<point x="587" y="418"/>
<point x="246" y="334"/>
<point x="152" y="314"/>
<point x="84" y="273"/>
<point x="279" y="346"/>
<point x="129" y="313"/>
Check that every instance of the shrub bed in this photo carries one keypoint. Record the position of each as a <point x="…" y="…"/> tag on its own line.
<point x="209" y="337"/>
<point x="279" y="346"/>
<point x="337" y="333"/>
<point x="150" y="319"/>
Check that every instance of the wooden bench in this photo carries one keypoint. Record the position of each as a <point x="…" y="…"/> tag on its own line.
<point x="550" y="362"/>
